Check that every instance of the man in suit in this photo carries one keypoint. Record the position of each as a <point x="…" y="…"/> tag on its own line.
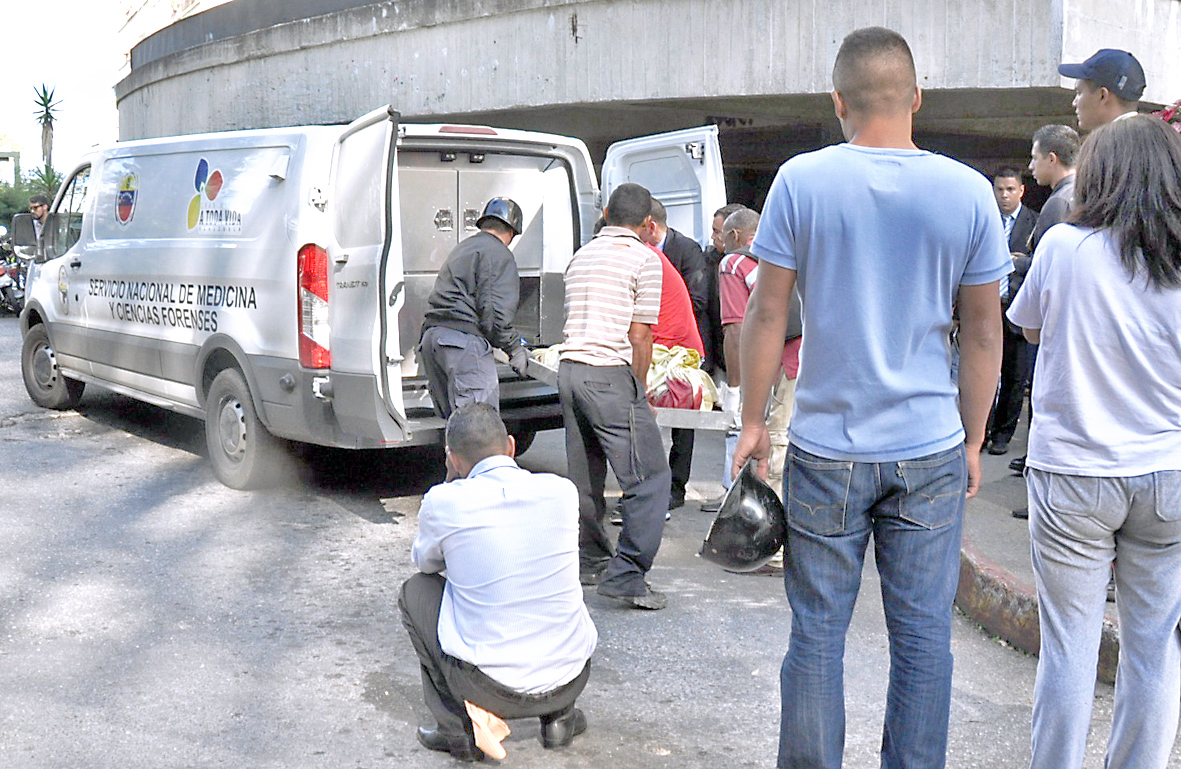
<point x="1018" y="221"/>
<point x="686" y="257"/>
<point x="711" y="334"/>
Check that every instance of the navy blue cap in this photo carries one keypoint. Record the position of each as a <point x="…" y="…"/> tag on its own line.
<point x="1117" y="71"/>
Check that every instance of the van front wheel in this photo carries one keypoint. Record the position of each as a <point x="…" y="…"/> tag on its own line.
<point x="44" y="381"/>
<point x="243" y="453"/>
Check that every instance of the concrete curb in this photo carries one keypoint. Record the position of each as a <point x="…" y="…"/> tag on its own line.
<point x="1006" y="606"/>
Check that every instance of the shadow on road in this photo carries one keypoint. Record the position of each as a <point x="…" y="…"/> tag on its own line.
<point x="372" y="484"/>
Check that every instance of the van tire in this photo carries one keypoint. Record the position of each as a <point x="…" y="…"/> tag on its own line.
<point x="45" y="383"/>
<point x="244" y="454"/>
<point x="524" y="440"/>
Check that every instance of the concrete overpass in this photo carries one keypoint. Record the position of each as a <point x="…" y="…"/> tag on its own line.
<point x="609" y="69"/>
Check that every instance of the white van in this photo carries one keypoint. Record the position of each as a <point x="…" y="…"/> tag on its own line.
<point x="273" y="282"/>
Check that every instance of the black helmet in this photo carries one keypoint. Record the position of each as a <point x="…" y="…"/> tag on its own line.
<point x="751" y="525"/>
<point x="506" y="211"/>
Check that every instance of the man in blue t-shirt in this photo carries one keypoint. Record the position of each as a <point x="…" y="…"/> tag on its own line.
<point x="883" y="441"/>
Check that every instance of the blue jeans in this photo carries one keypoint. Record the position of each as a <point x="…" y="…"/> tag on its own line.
<point x="1078" y="526"/>
<point x="914" y="511"/>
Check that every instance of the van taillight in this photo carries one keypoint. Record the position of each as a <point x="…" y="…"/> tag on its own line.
<point x="313" y="307"/>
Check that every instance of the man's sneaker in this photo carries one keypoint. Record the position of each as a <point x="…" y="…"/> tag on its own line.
<point x="649" y="600"/>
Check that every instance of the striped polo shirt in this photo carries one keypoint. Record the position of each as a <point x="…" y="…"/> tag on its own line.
<point x="611" y="282"/>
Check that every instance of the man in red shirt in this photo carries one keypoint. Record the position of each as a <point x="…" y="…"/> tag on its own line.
<point x="738" y="271"/>
<point x="676" y="327"/>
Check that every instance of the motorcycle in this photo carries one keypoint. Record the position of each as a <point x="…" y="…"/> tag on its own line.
<point x="12" y="275"/>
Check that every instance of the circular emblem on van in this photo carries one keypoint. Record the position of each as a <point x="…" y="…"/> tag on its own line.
<point x="63" y="289"/>
<point x="125" y="198"/>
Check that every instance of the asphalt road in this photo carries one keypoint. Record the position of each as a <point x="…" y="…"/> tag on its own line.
<point x="150" y="617"/>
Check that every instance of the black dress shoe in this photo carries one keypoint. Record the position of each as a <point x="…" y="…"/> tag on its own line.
<point x="649" y="600"/>
<point x="590" y="575"/>
<point x="1022" y="513"/>
<point x="712" y="505"/>
<point x="460" y="746"/>
<point x="558" y="731"/>
<point x="1018" y="465"/>
<point x="998" y="447"/>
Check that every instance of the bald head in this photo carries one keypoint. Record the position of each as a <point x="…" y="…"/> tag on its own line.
<point x="874" y="72"/>
<point x="739" y="229"/>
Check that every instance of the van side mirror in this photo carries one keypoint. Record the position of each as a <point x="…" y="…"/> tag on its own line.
<point x="23" y="233"/>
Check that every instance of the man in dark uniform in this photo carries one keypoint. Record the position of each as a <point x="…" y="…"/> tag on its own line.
<point x="471" y="310"/>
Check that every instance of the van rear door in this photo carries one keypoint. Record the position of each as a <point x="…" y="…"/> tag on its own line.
<point x="367" y="273"/>
<point x="682" y="169"/>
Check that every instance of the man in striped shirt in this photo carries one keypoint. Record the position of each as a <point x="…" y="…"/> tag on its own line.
<point x="612" y="299"/>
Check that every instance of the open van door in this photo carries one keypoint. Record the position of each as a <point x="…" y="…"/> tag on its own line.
<point x="682" y="169"/>
<point x="368" y="277"/>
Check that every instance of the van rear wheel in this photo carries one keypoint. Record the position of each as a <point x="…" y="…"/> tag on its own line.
<point x="244" y="454"/>
<point x="524" y="439"/>
<point x="44" y="381"/>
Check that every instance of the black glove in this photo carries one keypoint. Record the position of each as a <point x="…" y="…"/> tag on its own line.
<point x="519" y="359"/>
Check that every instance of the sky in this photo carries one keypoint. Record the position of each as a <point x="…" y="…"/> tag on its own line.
<point x="72" y="47"/>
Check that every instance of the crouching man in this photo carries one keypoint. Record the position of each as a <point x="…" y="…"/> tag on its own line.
<point x="506" y="630"/>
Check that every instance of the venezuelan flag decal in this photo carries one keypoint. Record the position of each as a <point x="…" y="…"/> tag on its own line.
<point x="125" y="198"/>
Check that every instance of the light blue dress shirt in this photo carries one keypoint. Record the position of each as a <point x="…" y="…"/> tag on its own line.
<point x="508" y="540"/>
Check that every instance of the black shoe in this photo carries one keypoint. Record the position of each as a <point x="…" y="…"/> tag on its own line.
<point x="1018" y="465"/>
<point x="460" y="746"/>
<point x="560" y="731"/>
<point x="998" y="447"/>
<point x="1022" y="513"/>
<point x="590" y="575"/>
<point x="649" y="600"/>
<point x="712" y="505"/>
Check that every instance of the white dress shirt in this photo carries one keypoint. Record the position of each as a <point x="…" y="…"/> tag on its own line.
<point x="513" y="606"/>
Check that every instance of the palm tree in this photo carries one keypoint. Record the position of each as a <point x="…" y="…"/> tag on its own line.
<point x="46" y="114"/>
<point x="45" y="180"/>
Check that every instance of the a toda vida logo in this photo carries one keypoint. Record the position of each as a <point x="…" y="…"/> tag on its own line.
<point x="206" y="213"/>
<point x="125" y="198"/>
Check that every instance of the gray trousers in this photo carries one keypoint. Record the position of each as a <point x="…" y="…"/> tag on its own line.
<point x="608" y="420"/>
<point x="1078" y="527"/>
<point x="459" y="369"/>
<point x="447" y="681"/>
